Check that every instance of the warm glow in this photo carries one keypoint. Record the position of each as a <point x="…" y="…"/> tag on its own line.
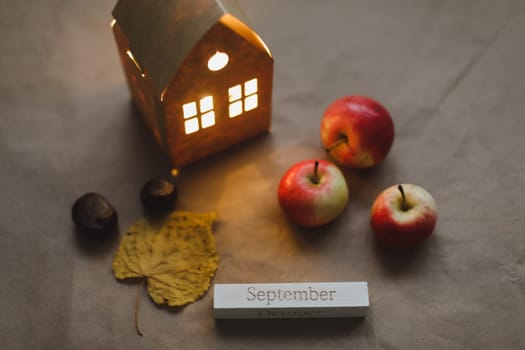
<point x="250" y="102"/>
<point x="243" y="30"/>
<point x="250" y="87"/>
<point x="192" y="115"/>
<point x="208" y="119"/>
<point x="234" y="93"/>
<point x="218" y="61"/>
<point x="132" y="58"/>
<point x="189" y="110"/>
<point x="262" y="43"/>
<point x="206" y="104"/>
<point x="235" y="109"/>
<point x="113" y="22"/>
<point x="191" y="126"/>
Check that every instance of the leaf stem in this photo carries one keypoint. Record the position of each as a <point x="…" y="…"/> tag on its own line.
<point x="137" y="299"/>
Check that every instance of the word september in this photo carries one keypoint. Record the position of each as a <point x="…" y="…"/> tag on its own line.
<point x="290" y="300"/>
<point x="271" y="295"/>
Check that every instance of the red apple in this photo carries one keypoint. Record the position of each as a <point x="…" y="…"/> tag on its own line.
<point x="403" y="215"/>
<point x="313" y="193"/>
<point x="357" y="131"/>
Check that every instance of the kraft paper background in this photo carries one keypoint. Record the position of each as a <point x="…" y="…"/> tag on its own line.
<point x="451" y="73"/>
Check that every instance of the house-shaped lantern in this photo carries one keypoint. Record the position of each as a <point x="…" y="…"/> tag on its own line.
<point x="200" y="77"/>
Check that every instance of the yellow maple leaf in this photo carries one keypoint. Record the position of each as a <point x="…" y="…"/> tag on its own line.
<point x="176" y="256"/>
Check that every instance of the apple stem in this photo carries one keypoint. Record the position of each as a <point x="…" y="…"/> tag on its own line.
<point x="342" y="139"/>
<point x="404" y="205"/>
<point x="315" y="178"/>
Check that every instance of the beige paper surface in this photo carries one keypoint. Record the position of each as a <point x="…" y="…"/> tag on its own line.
<point x="451" y="73"/>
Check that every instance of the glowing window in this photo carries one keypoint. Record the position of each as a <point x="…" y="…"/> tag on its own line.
<point x="218" y="61"/>
<point x="208" y="119"/>
<point x="250" y="87"/>
<point x="190" y="110"/>
<point x="197" y="118"/>
<point x="235" y="93"/>
<point x="235" y="109"/>
<point x="206" y="104"/>
<point x="191" y="125"/>
<point x="238" y="105"/>
<point x="250" y="102"/>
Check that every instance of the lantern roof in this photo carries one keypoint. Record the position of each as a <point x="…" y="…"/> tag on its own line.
<point x="161" y="33"/>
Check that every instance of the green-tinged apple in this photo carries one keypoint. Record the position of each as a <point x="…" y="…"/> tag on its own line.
<point x="357" y="131"/>
<point x="313" y="193"/>
<point x="402" y="216"/>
